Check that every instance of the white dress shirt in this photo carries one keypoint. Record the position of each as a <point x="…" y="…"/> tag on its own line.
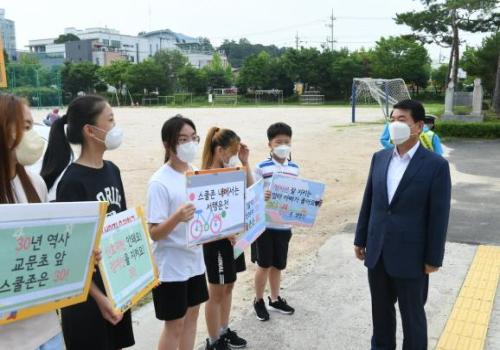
<point x="397" y="168"/>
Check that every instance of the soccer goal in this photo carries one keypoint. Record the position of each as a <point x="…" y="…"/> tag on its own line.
<point x="224" y="96"/>
<point x="269" y="96"/>
<point x="377" y="92"/>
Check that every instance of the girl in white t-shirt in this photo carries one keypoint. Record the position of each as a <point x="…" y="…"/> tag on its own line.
<point x="182" y="270"/>
<point x="21" y="146"/>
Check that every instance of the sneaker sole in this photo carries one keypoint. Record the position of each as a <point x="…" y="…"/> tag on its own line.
<point x="237" y="346"/>
<point x="261" y="319"/>
<point x="270" y="308"/>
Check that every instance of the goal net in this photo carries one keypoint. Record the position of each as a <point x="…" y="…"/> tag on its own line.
<point x="378" y="92"/>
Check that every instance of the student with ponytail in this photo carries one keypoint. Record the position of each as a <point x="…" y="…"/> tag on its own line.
<point x="223" y="149"/>
<point x="21" y="146"/>
<point x="90" y="123"/>
<point x="183" y="285"/>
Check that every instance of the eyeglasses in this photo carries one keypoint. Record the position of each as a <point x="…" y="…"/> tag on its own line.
<point x="185" y="139"/>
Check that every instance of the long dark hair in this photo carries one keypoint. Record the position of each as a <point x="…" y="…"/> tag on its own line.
<point x="217" y="137"/>
<point x="12" y="118"/>
<point x="171" y="130"/>
<point x="81" y="111"/>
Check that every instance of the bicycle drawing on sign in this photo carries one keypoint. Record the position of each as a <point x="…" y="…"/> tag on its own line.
<point x="212" y="223"/>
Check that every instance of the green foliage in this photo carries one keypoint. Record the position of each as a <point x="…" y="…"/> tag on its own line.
<point x="439" y="78"/>
<point x="115" y="74"/>
<point x="193" y="80"/>
<point x="400" y="57"/>
<point x="237" y="52"/>
<point x="171" y="62"/>
<point x="216" y="74"/>
<point x="78" y="77"/>
<point x="64" y="38"/>
<point x="485" y="130"/>
<point x="482" y="61"/>
<point x="434" y="23"/>
<point x="145" y="77"/>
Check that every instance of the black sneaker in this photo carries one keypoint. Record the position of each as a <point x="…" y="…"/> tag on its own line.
<point x="281" y="305"/>
<point x="220" y="344"/>
<point x="260" y="310"/>
<point x="233" y="340"/>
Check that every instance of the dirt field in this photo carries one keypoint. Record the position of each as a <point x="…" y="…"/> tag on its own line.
<point x="325" y="145"/>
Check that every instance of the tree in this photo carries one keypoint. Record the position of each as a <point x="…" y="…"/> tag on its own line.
<point x="145" y="77"/>
<point x="441" y="22"/>
<point x="64" y="38"/>
<point x="78" y="77"/>
<point x="193" y="80"/>
<point x="115" y="74"/>
<point x="401" y="57"/>
<point x="217" y="75"/>
<point x="171" y="63"/>
<point x="256" y="72"/>
<point x="344" y="67"/>
<point x="205" y="44"/>
<point x="439" y="78"/>
<point x="484" y="62"/>
<point x="237" y="52"/>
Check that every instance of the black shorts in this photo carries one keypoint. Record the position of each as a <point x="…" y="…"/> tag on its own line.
<point x="84" y="327"/>
<point x="271" y="249"/>
<point x="221" y="265"/>
<point x="172" y="299"/>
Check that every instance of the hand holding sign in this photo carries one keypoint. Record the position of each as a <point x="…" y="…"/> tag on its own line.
<point x="106" y="307"/>
<point x="186" y="212"/>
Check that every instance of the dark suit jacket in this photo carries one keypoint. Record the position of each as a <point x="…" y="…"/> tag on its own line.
<point x="411" y="230"/>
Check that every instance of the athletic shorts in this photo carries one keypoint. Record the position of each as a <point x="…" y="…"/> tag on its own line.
<point x="271" y="249"/>
<point x="221" y="265"/>
<point x="172" y="299"/>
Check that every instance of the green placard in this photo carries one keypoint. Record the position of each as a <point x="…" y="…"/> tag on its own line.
<point x="45" y="259"/>
<point x="127" y="265"/>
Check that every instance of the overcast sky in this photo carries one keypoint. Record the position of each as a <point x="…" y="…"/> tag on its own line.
<point x="359" y="23"/>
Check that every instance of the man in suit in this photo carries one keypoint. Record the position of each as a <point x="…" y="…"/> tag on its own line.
<point x="401" y="231"/>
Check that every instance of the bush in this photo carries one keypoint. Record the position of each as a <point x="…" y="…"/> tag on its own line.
<point x="485" y="130"/>
<point x="48" y="96"/>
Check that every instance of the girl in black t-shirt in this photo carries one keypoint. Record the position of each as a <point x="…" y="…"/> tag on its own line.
<point x="90" y="123"/>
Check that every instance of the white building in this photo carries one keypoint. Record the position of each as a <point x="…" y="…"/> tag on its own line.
<point x="8" y="33"/>
<point x="107" y="45"/>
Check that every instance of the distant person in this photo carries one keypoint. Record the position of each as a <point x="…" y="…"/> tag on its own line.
<point x="52" y="117"/>
<point x="428" y="137"/>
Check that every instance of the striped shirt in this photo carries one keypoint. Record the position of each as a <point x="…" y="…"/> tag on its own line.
<point x="266" y="169"/>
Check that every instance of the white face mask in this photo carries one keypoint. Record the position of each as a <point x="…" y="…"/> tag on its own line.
<point x="30" y="149"/>
<point x="186" y="152"/>
<point x="399" y="132"/>
<point x="113" y="138"/>
<point x="233" y="162"/>
<point x="282" y="152"/>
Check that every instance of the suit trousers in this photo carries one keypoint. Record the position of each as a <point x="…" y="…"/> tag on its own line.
<point x="411" y="295"/>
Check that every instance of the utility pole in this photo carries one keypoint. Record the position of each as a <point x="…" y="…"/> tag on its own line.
<point x="298" y="41"/>
<point x="330" y="39"/>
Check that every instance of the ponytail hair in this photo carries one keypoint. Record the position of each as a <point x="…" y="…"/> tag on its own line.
<point x="217" y="137"/>
<point x="170" y="132"/>
<point x="81" y="111"/>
